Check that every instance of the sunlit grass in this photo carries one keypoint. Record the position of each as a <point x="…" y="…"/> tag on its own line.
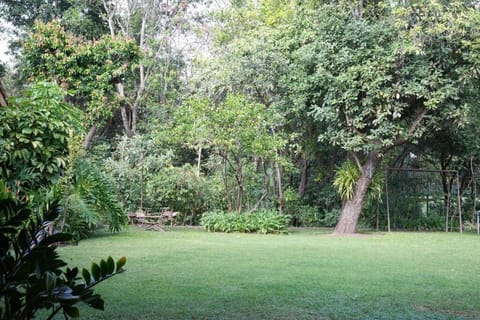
<point x="192" y="274"/>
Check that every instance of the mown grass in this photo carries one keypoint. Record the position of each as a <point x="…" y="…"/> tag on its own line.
<point x="192" y="274"/>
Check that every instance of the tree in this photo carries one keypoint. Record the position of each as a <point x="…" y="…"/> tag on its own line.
<point x="454" y="148"/>
<point x="83" y="18"/>
<point x="384" y="79"/>
<point x="237" y="130"/>
<point x="249" y="58"/>
<point x="38" y="135"/>
<point x="25" y="13"/>
<point x="90" y="70"/>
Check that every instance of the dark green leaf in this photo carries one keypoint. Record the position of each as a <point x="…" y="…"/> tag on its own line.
<point x="103" y="268"/>
<point x="110" y="265"/>
<point x="96" y="272"/>
<point x="59" y="237"/>
<point x="87" y="276"/>
<point x="71" y="311"/>
<point x="95" y="301"/>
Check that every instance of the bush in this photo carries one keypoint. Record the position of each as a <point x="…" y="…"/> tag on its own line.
<point x="34" y="134"/>
<point x="180" y="189"/>
<point x="132" y="165"/>
<point x="265" y="221"/>
<point x="309" y="216"/>
<point x="420" y="223"/>
<point x="331" y="218"/>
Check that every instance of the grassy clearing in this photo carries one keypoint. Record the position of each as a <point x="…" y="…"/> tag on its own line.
<point x="192" y="274"/>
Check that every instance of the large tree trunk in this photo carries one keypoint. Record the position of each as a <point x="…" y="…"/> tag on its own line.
<point x="353" y="207"/>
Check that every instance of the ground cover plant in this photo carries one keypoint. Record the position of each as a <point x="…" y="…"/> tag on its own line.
<point x="264" y="221"/>
<point x="307" y="274"/>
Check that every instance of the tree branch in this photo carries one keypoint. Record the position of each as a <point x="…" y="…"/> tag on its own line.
<point x="413" y="126"/>
<point x="356" y="159"/>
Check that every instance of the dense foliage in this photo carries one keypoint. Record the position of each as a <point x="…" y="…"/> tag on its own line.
<point x="82" y="17"/>
<point x="32" y="274"/>
<point x="89" y="70"/>
<point x="40" y="139"/>
<point x="253" y="105"/>
<point x="263" y="221"/>
<point x="235" y="131"/>
<point x="34" y="134"/>
<point x="89" y="199"/>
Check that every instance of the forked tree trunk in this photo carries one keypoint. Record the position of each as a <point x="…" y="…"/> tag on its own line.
<point x="353" y="207"/>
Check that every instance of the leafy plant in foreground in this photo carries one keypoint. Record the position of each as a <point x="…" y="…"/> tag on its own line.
<point x="32" y="275"/>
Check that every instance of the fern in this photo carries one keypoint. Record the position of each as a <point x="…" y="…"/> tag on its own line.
<point x="80" y="216"/>
<point x="89" y="199"/>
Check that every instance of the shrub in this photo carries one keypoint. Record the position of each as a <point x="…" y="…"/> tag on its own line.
<point x="309" y="216"/>
<point x="331" y="218"/>
<point x="303" y="215"/>
<point x="264" y="221"/>
<point x="34" y="134"/>
<point x="132" y="165"/>
<point x="180" y="189"/>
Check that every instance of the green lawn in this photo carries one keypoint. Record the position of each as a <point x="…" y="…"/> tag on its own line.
<point x="192" y="274"/>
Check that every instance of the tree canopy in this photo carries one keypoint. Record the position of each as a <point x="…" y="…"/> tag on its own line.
<point x="381" y="80"/>
<point x="267" y="104"/>
<point x="89" y="70"/>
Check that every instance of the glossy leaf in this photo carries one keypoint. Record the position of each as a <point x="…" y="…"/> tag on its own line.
<point x="96" y="271"/>
<point x="110" y="265"/>
<point x="120" y="263"/>
<point x="87" y="277"/>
